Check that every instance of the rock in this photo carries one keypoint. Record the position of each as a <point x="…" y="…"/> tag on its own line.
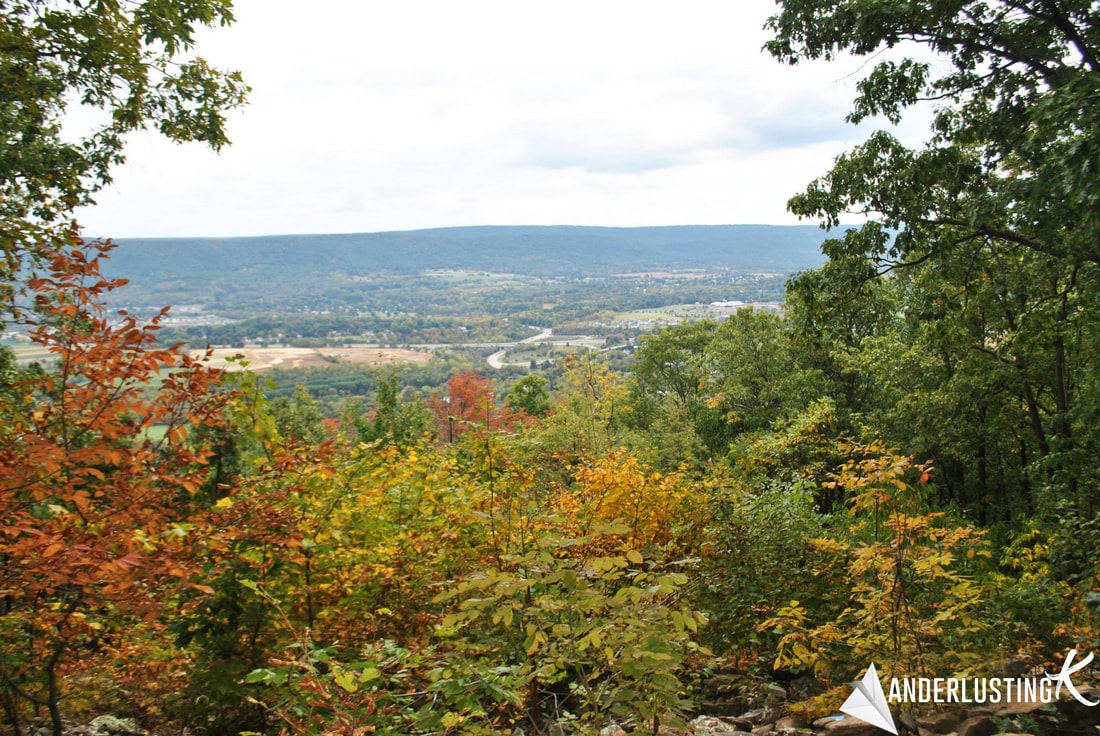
<point x="765" y="729"/>
<point x="945" y="722"/>
<point x="739" y="723"/>
<point x="977" y="726"/>
<point x="1009" y="710"/>
<point x="670" y="731"/>
<point x="804" y="687"/>
<point x="613" y="730"/>
<point x="790" y="723"/>
<point x="1079" y="714"/>
<point x="845" y="726"/>
<point x="711" y="726"/>
<point x="821" y="723"/>
<point x="773" y="695"/>
<point x="726" y="694"/>
<point x="722" y="707"/>
<point x="905" y="719"/>
<point x="758" y="716"/>
<point x="112" y="726"/>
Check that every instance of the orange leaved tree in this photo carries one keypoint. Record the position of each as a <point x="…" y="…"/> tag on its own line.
<point x="97" y="477"/>
<point x="469" y="404"/>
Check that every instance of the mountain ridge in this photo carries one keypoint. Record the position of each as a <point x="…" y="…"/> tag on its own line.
<point x="550" y="250"/>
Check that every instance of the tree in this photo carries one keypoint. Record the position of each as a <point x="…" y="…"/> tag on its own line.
<point x="530" y="395"/>
<point x="298" y="417"/>
<point x="394" y="421"/>
<point x="1016" y="140"/>
<point x="468" y="405"/>
<point x="1001" y="204"/>
<point x="98" y="481"/>
<point x="128" y="60"/>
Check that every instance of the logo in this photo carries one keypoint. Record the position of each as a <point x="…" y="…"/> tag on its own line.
<point x="868" y="703"/>
<point x="1062" y="678"/>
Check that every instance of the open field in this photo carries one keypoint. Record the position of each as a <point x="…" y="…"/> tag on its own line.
<point x="259" y="359"/>
<point x="27" y="352"/>
<point x="672" y="313"/>
<point x="682" y="312"/>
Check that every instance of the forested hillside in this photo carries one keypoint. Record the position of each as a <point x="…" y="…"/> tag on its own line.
<point x="899" y="467"/>
<point x="533" y="251"/>
<point x="422" y="271"/>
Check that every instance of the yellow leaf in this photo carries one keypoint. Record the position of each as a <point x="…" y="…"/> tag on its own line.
<point x="345" y="680"/>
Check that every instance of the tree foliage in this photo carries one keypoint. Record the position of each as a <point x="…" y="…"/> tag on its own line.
<point x="98" y="497"/>
<point x="172" y="538"/>
<point x="131" y="62"/>
<point x="991" y="225"/>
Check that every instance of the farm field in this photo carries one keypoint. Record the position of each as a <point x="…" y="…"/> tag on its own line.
<point x="259" y="359"/>
<point x="26" y="352"/>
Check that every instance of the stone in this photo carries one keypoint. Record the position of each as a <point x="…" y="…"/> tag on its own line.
<point x="846" y="726"/>
<point x="977" y="726"/>
<point x="904" y="719"/>
<point x="726" y="694"/>
<point x="821" y="723"/>
<point x="758" y="716"/>
<point x="945" y="722"/>
<point x="739" y="723"/>
<point x="671" y="731"/>
<point x="114" y="726"/>
<point x="1012" y="709"/>
<point x="773" y="695"/>
<point x="711" y="726"/>
<point x="790" y="723"/>
<point x="804" y="687"/>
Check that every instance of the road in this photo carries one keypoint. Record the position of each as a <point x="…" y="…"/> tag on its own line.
<point x="496" y="360"/>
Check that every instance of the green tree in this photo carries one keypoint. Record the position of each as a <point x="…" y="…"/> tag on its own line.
<point x="131" y="62"/>
<point x="298" y="417"/>
<point x="393" y="421"/>
<point x="531" y="395"/>
<point x="996" y="218"/>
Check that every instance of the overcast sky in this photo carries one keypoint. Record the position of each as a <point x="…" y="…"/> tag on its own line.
<point x="368" y="116"/>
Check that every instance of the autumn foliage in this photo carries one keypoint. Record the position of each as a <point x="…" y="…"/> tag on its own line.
<point x="97" y="478"/>
<point x="177" y="545"/>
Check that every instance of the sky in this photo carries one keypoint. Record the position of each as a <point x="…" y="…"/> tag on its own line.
<point x="371" y="116"/>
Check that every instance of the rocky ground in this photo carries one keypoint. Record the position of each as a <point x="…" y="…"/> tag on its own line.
<point x="733" y="706"/>
<point x="736" y="706"/>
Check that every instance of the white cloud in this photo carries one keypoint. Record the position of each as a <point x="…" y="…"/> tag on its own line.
<point x="424" y="113"/>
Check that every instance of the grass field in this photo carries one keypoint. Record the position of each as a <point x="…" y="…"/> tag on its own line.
<point x="672" y="313"/>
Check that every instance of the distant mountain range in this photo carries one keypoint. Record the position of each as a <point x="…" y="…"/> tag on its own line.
<point x="296" y="271"/>
<point x="535" y="251"/>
